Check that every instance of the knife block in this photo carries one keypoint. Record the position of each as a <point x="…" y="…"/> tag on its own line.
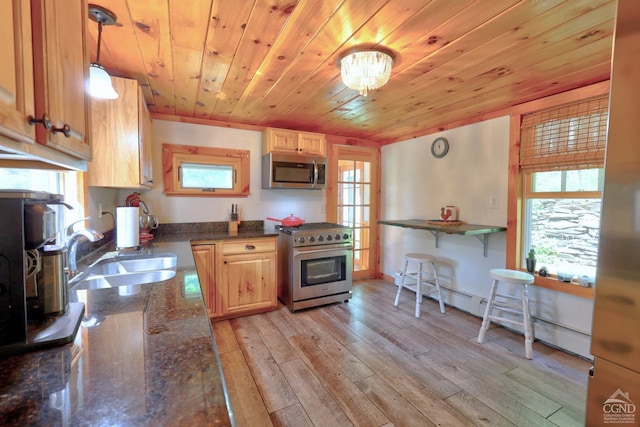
<point x="233" y="224"/>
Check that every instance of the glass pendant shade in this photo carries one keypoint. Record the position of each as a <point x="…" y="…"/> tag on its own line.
<point x="100" y="85"/>
<point x="366" y="70"/>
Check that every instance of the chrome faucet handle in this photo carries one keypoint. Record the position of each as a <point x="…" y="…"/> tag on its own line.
<point x="69" y="228"/>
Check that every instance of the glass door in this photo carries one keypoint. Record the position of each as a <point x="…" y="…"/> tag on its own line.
<point x="355" y="202"/>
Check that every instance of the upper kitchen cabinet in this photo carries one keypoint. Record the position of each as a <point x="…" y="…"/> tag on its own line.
<point x="16" y="73"/>
<point x="61" y="70"/>
<point x="24" y="114"/>
<point x="293" y="142"/>
<point x="121" y="137"/>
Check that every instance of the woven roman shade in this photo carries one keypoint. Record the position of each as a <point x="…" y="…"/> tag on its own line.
<point x="572" y="136"/>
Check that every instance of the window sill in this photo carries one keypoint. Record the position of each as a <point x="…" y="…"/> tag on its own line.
<point x="567" y="288"/>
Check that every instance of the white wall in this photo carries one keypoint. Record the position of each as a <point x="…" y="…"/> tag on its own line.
<point x="309" y="205"/>
<point x="415" y="185"/>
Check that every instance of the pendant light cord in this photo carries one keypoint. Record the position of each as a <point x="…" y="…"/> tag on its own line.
<point x="99" y="42"/>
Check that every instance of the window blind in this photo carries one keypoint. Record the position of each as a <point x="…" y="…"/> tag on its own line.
<point x="572" y="136"/>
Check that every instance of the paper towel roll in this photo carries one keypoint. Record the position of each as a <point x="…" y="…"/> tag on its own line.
<point x="127" y="227"/>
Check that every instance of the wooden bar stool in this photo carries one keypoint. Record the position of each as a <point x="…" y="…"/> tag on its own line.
<point x="515" y="278"/>
<point x="424" y="279"/>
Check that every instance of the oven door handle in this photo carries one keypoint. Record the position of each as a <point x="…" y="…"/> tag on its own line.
<point x="325" y="249"/>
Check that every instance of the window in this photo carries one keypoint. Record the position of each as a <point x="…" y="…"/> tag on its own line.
<point x="562" y="219"/>
<point x="561" y="161"/>
<point x="65" y="183"/>
<point x="205" y="171"/>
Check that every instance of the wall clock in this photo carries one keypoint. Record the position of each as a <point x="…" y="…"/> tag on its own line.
<point x="440" y="147"/>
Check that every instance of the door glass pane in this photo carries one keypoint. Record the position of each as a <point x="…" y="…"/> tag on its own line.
<point x="361" y="216"/>
<point x="361" y="260"/>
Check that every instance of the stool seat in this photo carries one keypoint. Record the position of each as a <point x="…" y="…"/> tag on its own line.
<point x="423" y="280"/>
<point x="511" y="276"/>
<point x="501" y="303"/>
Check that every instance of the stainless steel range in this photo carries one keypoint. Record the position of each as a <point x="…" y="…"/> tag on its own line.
<point x="315" y="264"/>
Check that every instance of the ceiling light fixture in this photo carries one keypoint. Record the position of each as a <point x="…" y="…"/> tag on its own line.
<point x="366" y="69"/>
<point x="100" y="85"/>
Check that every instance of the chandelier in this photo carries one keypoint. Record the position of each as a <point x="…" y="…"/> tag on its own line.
<point x="365" y="70"/>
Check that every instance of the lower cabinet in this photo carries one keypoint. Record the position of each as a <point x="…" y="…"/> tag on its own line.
<point x="205" y="257"/>
<point x="244" y="280"/>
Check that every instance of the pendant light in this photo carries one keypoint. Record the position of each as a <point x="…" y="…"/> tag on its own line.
<point x="100" y="85"/>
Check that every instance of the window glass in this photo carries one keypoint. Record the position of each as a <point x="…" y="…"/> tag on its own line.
<point x="564" y="229"/>
<point x="54" y="182"/>
<point x="206" y="176"/>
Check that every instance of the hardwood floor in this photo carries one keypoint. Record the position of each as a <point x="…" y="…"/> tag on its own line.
<point x="368" y="363"/>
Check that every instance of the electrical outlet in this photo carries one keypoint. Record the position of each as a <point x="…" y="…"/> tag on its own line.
<point x="99" y="210"/>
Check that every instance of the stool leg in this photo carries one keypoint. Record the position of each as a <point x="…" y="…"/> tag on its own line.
<point x="528" y="327"/>
<point x="486" y="321"/>
<point x="404" y="274"/>
<point x="419" y="289"/>
<point x="435" y="274"/>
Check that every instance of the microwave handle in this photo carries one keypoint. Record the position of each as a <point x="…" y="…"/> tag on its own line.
<point x="315" y="173"/>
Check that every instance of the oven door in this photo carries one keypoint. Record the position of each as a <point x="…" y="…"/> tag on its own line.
<point x="321" y="270"/>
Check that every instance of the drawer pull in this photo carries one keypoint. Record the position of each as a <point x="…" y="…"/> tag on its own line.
<point x="249" y="247"/>
<point x="66" y="130"/>
<point x="46" y="123"/>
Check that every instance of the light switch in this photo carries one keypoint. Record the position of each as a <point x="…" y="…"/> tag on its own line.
<point x="493" y="202"/>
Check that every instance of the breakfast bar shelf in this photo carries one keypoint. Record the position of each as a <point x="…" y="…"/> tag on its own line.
<point x="482" y="232"/>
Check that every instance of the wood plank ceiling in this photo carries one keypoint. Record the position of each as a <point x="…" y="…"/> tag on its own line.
<point x="275" y="62"/>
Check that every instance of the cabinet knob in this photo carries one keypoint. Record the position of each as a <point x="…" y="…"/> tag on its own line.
<point x="249" y="247"/>
<point x="46" y="123"/>
<point x="66" y="130"/>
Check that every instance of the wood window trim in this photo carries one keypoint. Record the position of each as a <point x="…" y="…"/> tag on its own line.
<point x="515" y="200"/>
<point x="173" y="154"/>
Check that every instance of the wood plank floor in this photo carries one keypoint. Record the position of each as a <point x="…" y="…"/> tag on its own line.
<point x="368" y="363"/>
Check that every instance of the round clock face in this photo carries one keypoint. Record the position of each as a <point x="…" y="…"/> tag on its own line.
<point x="440" y="147"/>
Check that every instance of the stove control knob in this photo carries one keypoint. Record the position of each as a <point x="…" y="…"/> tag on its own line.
<point x="345" y="236"/>
<point x="329" y="237"/>
<point x="337" y="237"/>
<point x="312" y="239"/>
<point x="301" y="240"/>
<point x="320" y="238"/>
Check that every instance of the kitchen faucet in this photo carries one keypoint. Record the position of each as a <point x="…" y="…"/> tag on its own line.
<point x="75" y="237"/>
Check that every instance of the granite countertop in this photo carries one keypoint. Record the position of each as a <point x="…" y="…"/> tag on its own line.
<point x="144" y="355"/>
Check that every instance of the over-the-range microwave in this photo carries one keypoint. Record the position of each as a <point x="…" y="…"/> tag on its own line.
<point x="293" y="171"/>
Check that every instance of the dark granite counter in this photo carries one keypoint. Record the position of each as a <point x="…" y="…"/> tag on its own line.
<point x="144" y="355"/>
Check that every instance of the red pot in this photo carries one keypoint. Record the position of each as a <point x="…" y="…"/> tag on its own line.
<point x="290" y="221"/>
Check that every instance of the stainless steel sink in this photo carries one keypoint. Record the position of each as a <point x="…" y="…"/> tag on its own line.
<point x="126" y="271"/>
<point x="124" y="266"/>
<point x="129" y="279"/>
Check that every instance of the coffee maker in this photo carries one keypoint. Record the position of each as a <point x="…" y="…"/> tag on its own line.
<point x="34" y="309"/>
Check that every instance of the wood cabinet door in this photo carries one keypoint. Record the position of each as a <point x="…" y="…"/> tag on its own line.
<point x="312" y="143"/>
<point x="16" y="73"/>
<point x="282" y="140"/>
<point x="248" y="282"/>
<point x="146" y="168"/>
<point x="117" y="136"/>
<point x="61" y="73"/>
<point x="204" y="256"/>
